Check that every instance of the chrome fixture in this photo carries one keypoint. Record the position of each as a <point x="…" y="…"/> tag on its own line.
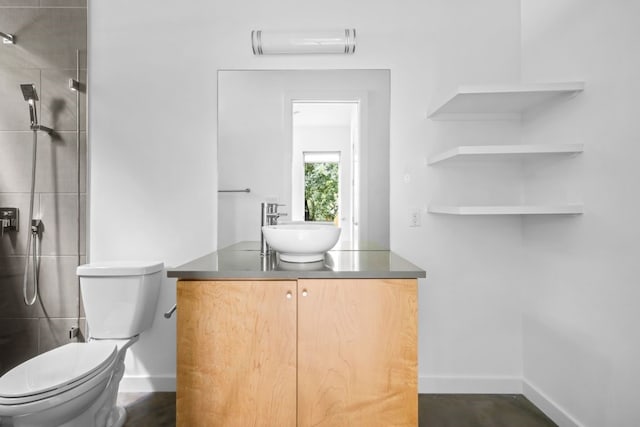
<point x="7" y="38"/>
<point x="168" y="314"/>
<point x="8" y="220"/>
<point x="303" y="42"/>
<point x="244" y="190"/>
<point x="268" y="216"/>
<point x="73" y="332"/>
<point x="33" y="236"/>
<point x="31" y="96"/>
<point x="74" y="85"/>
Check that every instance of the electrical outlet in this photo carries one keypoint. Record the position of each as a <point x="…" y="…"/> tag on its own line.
<point x="414" y="217"/>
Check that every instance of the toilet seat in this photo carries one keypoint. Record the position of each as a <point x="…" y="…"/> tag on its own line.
<point x="57" y="371"/>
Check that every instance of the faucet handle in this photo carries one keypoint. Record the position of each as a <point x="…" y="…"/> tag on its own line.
<point x="272" y="207"/>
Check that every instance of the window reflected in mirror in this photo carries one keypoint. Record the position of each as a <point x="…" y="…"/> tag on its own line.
<point x="325" y="138"/>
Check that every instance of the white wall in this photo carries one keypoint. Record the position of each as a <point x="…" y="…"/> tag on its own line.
<point x="581" y="317"/>
<point x="470" y="329"/>
<point x="153" y="154"/>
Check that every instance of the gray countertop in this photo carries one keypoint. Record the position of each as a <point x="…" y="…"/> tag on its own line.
<point x="243" y="261"/>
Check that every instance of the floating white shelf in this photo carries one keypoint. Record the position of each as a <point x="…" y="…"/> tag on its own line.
<point x="508" y="210"/>
<point x="482" y="150"/>
<point x="500" y="102"/>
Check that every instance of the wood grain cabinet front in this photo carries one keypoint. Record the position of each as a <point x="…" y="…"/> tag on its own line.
<point x="321" y="352"/>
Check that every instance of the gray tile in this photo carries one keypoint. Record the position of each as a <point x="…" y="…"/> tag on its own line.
<point x="18" y="342"/>
<point x="63" y="3"/>
<point x="45" y="38"/>
<point x="55" y="162"/>
<point x="58" y="285"/>
<point x="19" y="3"/>
<point x="58" y="294"/>
<point x="15" y="162"/>
<point x="59" y="216"/>
<point x="14" y="243"/>
<point x="54" y="332"/>
<point x="58" y="102"/>
<point x="11" y="294"/>
<point x="14" y="110"/>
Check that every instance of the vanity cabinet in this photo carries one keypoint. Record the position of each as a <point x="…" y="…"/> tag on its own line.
<point x="305" y="352"/>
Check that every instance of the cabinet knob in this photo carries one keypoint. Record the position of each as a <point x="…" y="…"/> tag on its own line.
<point x="289" y="295"/>
<point x="305" y="293"/>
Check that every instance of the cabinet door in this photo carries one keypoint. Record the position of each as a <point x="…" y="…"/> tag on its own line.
<point x="236" y="353"/>
<point x="357" y="363"/>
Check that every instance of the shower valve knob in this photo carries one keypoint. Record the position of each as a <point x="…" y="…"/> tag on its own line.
<point x="8" y="219"/>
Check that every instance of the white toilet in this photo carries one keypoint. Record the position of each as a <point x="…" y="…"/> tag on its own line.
<point x="76" y="385"/>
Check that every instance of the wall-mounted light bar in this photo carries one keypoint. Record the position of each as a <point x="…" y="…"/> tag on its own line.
<point x="7" y="38"/>
<point x="303" y="42"/>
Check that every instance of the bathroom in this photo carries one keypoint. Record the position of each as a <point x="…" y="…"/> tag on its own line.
<point x="535" y="305"/>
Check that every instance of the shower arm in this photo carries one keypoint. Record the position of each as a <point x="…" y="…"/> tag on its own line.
<point x="7" y="38"/>
<point x="42" y="128"/>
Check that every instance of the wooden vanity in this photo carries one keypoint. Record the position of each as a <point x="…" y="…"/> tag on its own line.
<point x="273" y="347"/>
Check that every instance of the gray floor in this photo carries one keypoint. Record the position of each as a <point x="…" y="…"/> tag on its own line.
<point x="436" y="410"/>
<point x="479" y="410"/>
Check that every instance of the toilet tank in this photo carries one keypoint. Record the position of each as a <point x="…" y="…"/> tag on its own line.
<point x="120" y="298"/>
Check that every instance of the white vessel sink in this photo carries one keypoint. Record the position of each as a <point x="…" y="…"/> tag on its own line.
<point x="301" y="241"/>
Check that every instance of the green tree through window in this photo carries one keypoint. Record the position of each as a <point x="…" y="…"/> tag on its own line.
<point x="321" y="191"/>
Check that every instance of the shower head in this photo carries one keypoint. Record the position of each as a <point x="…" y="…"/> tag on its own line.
<point x="29" y="92"/>
<point x="31" y="96"/>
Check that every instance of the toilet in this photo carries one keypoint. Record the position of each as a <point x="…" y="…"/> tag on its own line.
<point x="76" y="385"/>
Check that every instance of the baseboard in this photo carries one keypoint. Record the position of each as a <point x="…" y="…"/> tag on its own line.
<point x="444" y="385"/>
<point x="147" y="384"/>
<point x="551" y="409"/>
<point x="470" y="385"/>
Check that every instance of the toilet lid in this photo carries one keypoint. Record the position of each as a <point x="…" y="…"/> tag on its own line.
<point x="119" y="268"/>
<point x="57" y="368"/>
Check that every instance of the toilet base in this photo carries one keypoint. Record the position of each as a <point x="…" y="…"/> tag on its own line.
<point x="120" y="418"/>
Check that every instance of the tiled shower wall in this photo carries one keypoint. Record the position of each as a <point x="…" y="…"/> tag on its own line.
<point x="48" y="33"/>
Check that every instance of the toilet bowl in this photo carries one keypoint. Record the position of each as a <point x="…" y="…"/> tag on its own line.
<point x="76" y="385"/>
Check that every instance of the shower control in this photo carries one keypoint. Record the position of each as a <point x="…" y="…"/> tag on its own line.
<point x="8" y="219"/>
<point x="36" y="226"/>
<point x="73" y="332"/>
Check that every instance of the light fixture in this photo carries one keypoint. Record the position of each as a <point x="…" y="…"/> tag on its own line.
<point x="7" y="38"/>
<point x="303" y="42"/>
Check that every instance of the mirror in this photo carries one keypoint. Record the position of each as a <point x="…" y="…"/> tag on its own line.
<point x="316" y="141"/>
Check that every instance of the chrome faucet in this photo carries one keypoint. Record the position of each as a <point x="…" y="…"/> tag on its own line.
<point x="268" y="216"/>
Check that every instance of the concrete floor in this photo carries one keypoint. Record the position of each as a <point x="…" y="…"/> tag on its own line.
<point x="435" y="410"/>
<point x="479" y="410"/>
